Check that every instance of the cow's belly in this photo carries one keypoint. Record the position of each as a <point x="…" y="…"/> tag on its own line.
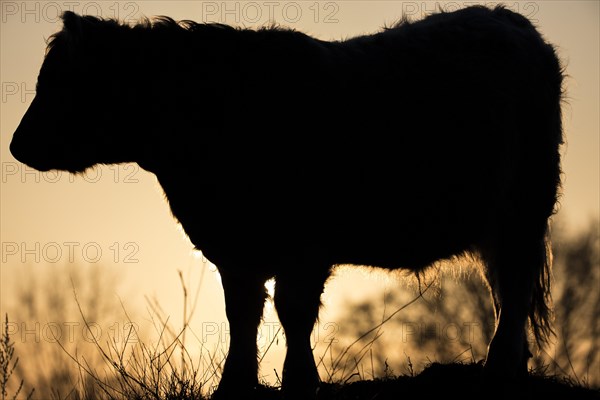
<point x="390" y="230"/>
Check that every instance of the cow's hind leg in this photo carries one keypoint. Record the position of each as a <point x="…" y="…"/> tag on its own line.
<point x="244" y="301"/>
<point x="512" y="270"/>
<point x="297" y="299"/>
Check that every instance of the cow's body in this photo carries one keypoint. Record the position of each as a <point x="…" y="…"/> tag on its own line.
<point x="282" y="155"/>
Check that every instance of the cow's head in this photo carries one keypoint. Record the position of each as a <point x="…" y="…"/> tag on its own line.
<point x="77" y="118"/>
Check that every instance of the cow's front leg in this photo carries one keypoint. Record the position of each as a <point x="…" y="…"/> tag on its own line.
<point x="244" y="300"/>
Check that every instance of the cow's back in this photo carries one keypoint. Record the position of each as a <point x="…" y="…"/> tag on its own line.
<point x="395" y="149"/>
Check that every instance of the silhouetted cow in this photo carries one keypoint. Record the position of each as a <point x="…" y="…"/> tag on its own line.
<point x="282" y="155"/>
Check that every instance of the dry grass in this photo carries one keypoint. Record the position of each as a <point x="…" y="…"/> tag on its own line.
<point x="8" y="363"/>
<point x="131" y="368"/>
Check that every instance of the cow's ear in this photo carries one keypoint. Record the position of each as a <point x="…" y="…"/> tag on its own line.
<point x="72" y="24"/>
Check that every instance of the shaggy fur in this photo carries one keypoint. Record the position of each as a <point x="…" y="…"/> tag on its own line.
<point x="282" y="155"/>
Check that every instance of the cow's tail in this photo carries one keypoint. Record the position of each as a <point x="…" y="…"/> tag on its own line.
<point x="540" y="314"/>
<point x="548" y="135"/>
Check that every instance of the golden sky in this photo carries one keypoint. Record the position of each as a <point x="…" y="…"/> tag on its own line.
<point x="117" y="216"/>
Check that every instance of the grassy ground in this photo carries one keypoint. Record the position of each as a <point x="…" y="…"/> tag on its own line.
<point x="461" y="381"/>
<point x="150" y="373"/>
<point x="446" y="381"/>
<point x="148" y="380"/>
<point x="124" y="368"/>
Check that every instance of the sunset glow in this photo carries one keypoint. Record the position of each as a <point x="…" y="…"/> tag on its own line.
<point x="109" y="235"/>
